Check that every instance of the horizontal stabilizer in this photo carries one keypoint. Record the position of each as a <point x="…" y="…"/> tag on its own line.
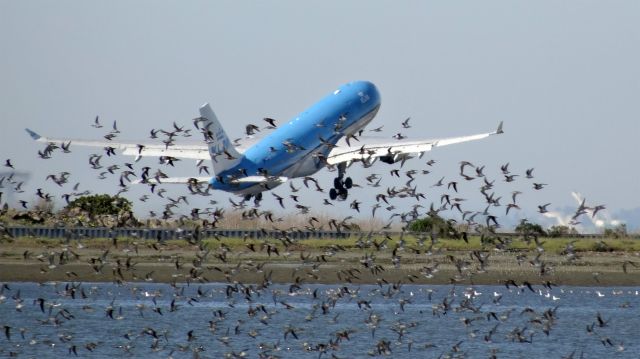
<point x="260" y="179"/>
<point x="175" y="180"/>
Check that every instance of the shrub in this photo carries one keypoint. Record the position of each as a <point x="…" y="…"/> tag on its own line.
<point x="526" y="228"/>
<point x="558" y="231"/>
<point x="435" y="224"/>
<point x="617" y="231"/>
<point x="601" y="246"/>
<point x="101" y="204"/>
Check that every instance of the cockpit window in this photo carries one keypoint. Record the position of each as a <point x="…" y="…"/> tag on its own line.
<point x="363" y="97"/>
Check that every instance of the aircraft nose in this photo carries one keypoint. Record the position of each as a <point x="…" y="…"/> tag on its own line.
<point x="367" y="91"/>
<point x="363" y="85"/>
<point x="370" y="90"/>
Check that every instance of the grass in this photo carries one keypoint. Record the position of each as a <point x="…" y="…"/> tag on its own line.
<point x="160" y="258"/>
<point x="550" y="245"/>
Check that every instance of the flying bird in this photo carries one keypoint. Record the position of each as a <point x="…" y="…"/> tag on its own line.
<point x="405" y="123"/>
<point x="251" y="129"/>
<point x="271" y="122"/>
<point x="543" y="208"/>
<point x="96" y="123"/>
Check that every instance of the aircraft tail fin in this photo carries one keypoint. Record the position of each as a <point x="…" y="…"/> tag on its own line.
<point x="223" y="154"/>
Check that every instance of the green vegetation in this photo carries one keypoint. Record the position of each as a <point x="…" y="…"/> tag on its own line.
<point x="435" y="224"/>
<point x="355" y="244"/>
<point x="616" y="232"/>
<point x="561" y="231"/>
<point x="99" y="210"/>
<point x="101" y="204"/>
<point x="527" y="228"/>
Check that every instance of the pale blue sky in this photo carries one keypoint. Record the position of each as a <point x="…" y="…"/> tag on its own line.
<point x="563" y="76"/>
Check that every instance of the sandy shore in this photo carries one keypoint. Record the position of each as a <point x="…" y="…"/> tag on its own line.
<point x="102" y="262"/>
<point x="287" y="273"/>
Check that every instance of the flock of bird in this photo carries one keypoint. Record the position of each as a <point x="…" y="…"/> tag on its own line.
<point x="266" y="320"/>
<point x="401" y="201"/>
<point x="126" y="172"/>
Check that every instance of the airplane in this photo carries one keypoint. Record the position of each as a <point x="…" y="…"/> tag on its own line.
<point x="327" y="134"/>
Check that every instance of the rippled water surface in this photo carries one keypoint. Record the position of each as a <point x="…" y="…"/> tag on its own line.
<point x="348" y="321"/>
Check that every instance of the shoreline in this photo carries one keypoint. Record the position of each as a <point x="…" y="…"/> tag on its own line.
<point x="285" y="273"/>
<point x="316" y="261"/>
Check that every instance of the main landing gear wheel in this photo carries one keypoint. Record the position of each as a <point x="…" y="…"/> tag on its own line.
<point x="257" y="197"/>
<point x="343" y="193"/>
<point x="348" y="183"/>
<point x="340" y="188"/>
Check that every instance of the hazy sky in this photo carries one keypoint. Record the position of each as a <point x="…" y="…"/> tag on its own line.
<point x="563" y="76"/>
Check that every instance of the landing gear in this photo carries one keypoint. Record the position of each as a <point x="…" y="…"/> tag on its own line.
<point x="348" y="183"/>
<point x="343" y="193"/>
<point x="256" y="198"/>
<point x="341" y="187"/>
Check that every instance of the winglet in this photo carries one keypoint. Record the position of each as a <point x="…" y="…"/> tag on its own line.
<point x="33" y="135"/>
<point x="499" y="130"/>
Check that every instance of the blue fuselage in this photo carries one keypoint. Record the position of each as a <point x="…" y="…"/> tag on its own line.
<point x="294" y="148"/>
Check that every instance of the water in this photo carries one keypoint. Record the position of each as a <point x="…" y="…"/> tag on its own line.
<point x="231" y="325"/>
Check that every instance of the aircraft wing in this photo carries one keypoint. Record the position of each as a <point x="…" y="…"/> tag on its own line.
<point x="194" y="151"/>
<point x="370" y="149"/>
